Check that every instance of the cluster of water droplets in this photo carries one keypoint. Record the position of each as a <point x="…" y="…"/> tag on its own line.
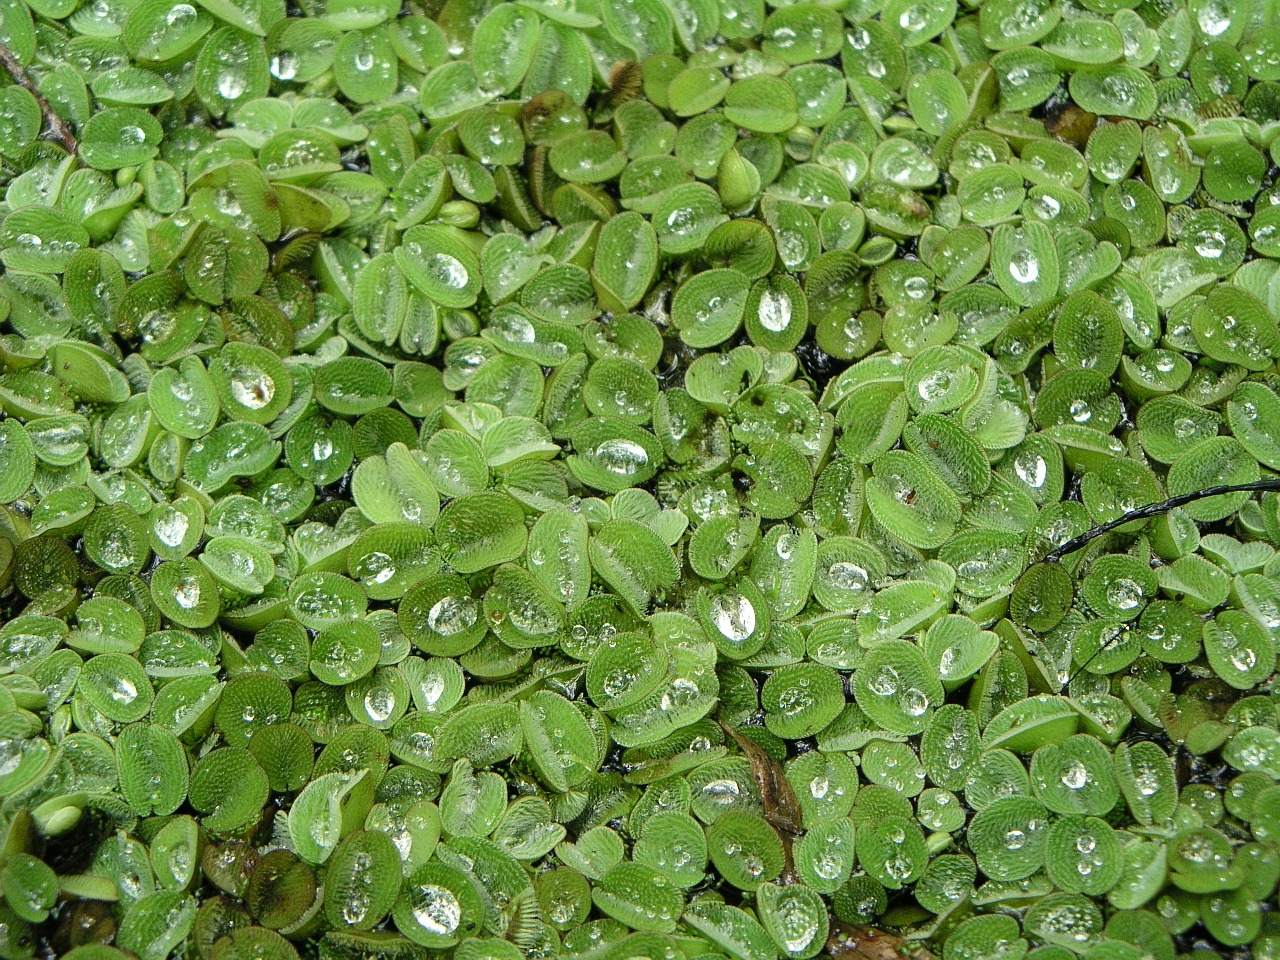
<point x="1240" y="655"/>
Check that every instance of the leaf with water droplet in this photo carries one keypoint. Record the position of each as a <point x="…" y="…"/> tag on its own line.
<point x="640" y="896"/>
<point x="153" y="769"/>
<point x="362" y="880"/>
<point x="892" y="850"/>
<point x="440" y="265"/>
<point x="1074" y="776"/>
<point x="228" y="788"/>
<point x="1024" y="262"/>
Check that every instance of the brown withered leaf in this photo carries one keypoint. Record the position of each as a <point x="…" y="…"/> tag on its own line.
<point x="1228" y="106"/>
<point x="781" y="808"/>
<point x="626" y="81"/>
<point x="1068" y="122"/>
<point x="850" y="942"/>
<point x="81" y="923"/>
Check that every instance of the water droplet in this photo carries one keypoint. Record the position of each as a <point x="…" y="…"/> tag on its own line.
<point x="284" y="65"/>
<point x="1031" y="468"/>
<point x="379" y="704"/>
<point x="1023" y="266"/>
<point x="123" y="690"/>
<point x="1075" y="776"/>
<point x="734" y="616"/>
<point x="436" y="908"/>
<point x="448" y="270"/>
<point x="251" y="387"/>
<point x="775" y="311"/>
<point x="181" y="15"/>
<point x="187" y="593"/>
<point x="230" y="84"/>
<point x="723" y="792"/>
<point x="914" y="702"/>
<point x="885" y="682"/>
<point x="848" y="576"/>
<point x="451" y="615"/>
<point x="622" y="457"/>
<point x="171" y="527"/>
<point x="1214" y="18"/>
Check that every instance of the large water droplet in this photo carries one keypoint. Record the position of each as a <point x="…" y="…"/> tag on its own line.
<point x="451" y="615"/>
<point x="734" y="616"/>
<point x="436" y="908"/>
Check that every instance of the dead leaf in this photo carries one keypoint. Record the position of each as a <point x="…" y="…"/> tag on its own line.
<point x="781" y="808"/>
<point x="851" y="942"/>
<point x="626" y="81"/>
<point x="1068" y="122"/>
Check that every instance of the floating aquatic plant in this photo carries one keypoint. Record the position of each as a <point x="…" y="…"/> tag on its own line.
<point x="639" y="479"/>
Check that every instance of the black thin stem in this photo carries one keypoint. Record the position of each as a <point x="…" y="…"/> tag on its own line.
<point x="59" y="130"/>
<point x="1156" y="510"/>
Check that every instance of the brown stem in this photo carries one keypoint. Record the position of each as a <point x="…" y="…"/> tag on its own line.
<point x="59" y="130"/>
<point x="1158" y="509"/>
